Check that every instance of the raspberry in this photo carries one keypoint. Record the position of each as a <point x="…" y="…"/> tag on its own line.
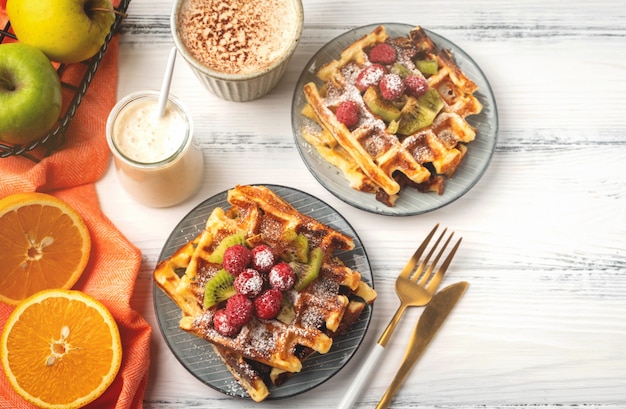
<point x="383" y="54"/>
<point x="222" y="324"/>
<point x="391" y="87"/>
<point x="416" y="86"/>
<point x="267" y="305"/>
<point x="348" y="113"/>
<point x="369" y="76"/>
<point x="282" y="277"/>
<point x="262" y="258"/>
<point x="249" y="283"/>
<point x="239" y="309"/>
<point x="236" y="258"/>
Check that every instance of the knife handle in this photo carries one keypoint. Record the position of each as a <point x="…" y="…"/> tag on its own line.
<point x="395" y="384"/>
<point x="359" y="382"/>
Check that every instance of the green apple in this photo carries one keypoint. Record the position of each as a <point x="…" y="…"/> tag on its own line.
<point x="30" y="93"/>
<point x="67" y="31"/>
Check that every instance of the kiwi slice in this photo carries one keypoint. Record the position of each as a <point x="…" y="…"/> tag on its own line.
<point x="302" y="248"/>
<point x="219" y="288"/>
<point x="218" y="254"/>
<point x="401" y="70"/>
<point x="287" y="313"/>
<point x="288" y="236"/>
<point x="413" y="117"/>
<point x="379" y="106"/>
<point x="392" y="127"/>
<point x="419" y="113"/>
<point x="427" y="67"/>
<point x="307" y="273"/>
<point x="296" y="246"/>
<point x="431" y="100"/>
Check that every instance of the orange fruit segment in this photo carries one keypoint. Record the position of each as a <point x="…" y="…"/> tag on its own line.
<point x="44" y="244"/>
<point x="60" y="348"/>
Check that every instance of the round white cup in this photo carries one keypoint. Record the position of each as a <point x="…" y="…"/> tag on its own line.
<point x="246" y="86"/>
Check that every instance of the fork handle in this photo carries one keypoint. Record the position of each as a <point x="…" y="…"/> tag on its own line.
<point x="359" y="382"/>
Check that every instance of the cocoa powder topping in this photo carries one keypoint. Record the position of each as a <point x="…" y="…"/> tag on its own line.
<point x="237" y="36"/>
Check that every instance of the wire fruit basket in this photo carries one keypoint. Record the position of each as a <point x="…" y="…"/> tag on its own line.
<point x="71" y="100"/>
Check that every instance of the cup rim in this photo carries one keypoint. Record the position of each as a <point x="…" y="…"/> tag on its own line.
<point x="235" y="77"/>
<point x="130" y="98"/>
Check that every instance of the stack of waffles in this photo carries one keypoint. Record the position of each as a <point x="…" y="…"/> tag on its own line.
<point x="266" y="352"/>
<point x="406" y="137"/>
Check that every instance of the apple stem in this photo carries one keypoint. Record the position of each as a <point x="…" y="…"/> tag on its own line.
<point x="119" y="13"/>
<point x="6" y="84"/>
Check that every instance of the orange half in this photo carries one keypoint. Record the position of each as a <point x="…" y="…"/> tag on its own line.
<point x="44" y="244"/>
<point x="61" y="349"/>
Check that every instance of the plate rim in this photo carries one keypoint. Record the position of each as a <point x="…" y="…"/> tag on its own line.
<point x="366" y="201"/>
<point x="240" y="393"/>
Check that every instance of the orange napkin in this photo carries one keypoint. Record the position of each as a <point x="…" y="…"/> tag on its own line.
<point x="69" y="173"/>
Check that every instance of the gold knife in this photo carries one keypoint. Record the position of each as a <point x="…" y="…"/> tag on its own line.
<point x="427" y="326"/>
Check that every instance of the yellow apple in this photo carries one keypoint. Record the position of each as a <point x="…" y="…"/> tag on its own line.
<point x="66" y="31"/>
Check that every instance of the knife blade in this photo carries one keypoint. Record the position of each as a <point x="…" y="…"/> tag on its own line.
<point x="427" y="326"/>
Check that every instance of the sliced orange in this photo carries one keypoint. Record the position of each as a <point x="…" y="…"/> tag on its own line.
<point x="60" y="349"/>
<point x="44" y="244"/>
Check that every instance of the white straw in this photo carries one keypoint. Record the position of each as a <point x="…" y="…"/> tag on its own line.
<point x="167" y="80"/>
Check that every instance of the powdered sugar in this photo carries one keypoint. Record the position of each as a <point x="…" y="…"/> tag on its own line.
<point x="369" y="76"/>
<point x="391" y="86"/>
<point x="261" y="341"/>
<point x="249" y="283"/>
<point x="263" y="258"/>
<point x="282" y="277"/>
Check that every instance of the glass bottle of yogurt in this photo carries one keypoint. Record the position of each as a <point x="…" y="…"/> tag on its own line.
<point x="156" y="159"/>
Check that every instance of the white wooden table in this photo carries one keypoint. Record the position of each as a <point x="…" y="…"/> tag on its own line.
<point x="543" y="323"/>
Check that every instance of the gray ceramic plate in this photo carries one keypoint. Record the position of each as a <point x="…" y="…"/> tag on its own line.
<point x="411" y="202"/>
<point x="197" y="355"/>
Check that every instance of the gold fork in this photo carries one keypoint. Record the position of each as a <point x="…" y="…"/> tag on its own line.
<point x="415" y="288"/>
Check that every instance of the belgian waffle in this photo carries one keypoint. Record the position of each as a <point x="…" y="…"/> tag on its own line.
<point x="372" y="155"/>
<point x="266" y="351"/>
